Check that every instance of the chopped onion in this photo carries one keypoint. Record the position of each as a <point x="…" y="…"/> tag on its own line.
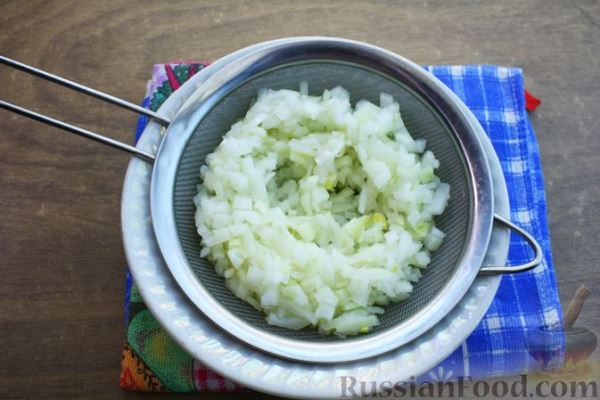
<point x="317" y="213"/>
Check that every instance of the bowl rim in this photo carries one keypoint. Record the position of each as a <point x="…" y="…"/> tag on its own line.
<point x="255" y="369"/>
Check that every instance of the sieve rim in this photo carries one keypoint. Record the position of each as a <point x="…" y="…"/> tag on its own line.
<point x="208" y="94"/>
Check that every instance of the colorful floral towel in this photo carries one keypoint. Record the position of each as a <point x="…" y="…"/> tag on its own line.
<point x="520" y="332"/>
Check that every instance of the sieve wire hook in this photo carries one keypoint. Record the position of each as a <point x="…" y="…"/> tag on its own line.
<point x="537" y="249"/>
<point x="87" y="91"/>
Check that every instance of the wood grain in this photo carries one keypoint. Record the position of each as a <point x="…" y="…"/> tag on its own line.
<point x="61" y="257"/>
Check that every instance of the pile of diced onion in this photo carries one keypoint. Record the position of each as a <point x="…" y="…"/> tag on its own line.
<point x="319" y="213"/>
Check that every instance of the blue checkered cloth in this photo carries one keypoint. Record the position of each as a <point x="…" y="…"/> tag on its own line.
<point x="521" y="331"/>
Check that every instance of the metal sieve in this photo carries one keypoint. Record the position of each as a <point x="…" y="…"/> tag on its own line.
<point x="365" y="71"/>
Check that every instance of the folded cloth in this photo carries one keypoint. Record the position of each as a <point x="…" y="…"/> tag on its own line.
<point x="520" y="332"/>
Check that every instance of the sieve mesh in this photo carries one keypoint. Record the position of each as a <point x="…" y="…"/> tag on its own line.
<point x="421" y="120"/>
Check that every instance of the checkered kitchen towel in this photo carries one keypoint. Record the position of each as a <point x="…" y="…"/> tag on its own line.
<point x="520" y="332"/>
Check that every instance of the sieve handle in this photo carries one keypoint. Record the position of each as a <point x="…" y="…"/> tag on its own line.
<point x="78" y="131"/>
<point x="489" y="270"/>
<point x="87" y="91"/>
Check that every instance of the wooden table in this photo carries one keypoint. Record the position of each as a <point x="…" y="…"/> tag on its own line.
<point x="62" y="266"/>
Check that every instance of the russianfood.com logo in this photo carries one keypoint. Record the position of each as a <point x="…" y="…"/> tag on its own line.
<point x="468" y="388"/>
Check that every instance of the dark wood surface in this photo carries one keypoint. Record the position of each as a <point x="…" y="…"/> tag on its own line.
<point x="61" y="257"/>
